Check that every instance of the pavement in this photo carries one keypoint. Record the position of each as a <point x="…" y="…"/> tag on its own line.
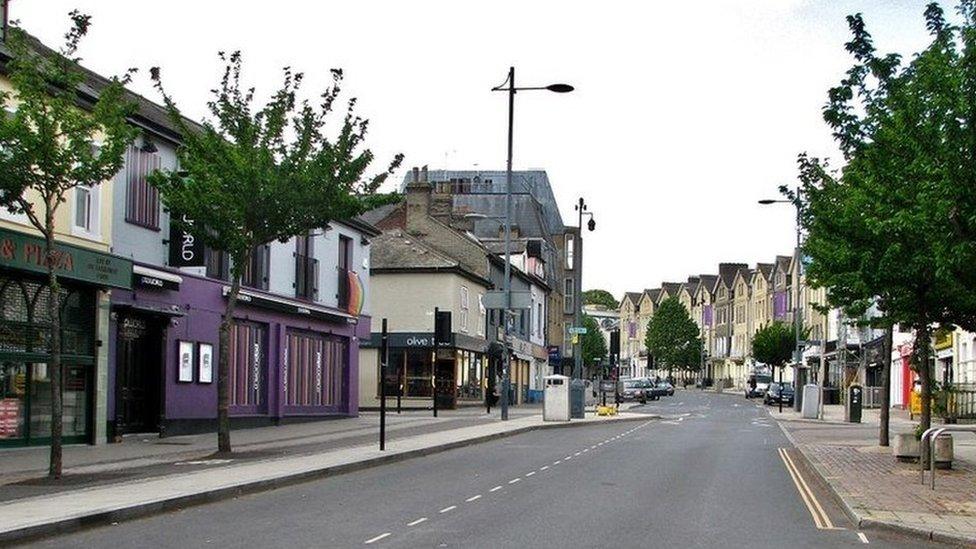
<point x="693" y="470"/>
<point x="146" y="474"/>
<point x="878" y="491"/>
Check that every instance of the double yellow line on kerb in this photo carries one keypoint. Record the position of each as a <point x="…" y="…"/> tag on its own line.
<point x="820" y="517"/>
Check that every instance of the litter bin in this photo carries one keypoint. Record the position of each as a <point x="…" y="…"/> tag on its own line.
<point x="577" y="399"/>
<point x="855" y="395"/>
<point x="555" y="403"/>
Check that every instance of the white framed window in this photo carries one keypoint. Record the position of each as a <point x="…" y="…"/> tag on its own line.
<point x="481" y="314"/>
<point x="570" y="250"/>
<point x="464" y="309"/>
<point x="85" y="218"/>
<point x="568" y="295"/>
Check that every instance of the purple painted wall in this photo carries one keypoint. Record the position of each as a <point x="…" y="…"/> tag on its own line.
<point x="201" y="302"/>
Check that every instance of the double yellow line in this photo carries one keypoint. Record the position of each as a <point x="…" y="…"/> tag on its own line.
<point x="820" y="517"/>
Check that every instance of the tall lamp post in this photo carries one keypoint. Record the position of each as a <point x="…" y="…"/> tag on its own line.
<point x="797" y="351"/>
<point x="509" y="86"/>
<point x="583" y="210"/>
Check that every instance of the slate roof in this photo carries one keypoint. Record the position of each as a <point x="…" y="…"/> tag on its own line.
<point x="708" y="281"/>
<point x="149" y="115"/>
<point x="395" y="251"/>
<point x="653" y="294"/>
<point x="671" y="288"/>
<point x="380" y="213"/>
<point x="766" y="269"/>
<point x="634" y="297"/>
<point x="727" y="272"/>
<point x="783" y="262"/>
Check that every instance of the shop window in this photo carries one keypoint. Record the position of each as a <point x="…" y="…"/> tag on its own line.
<point x="248" y="356"/>
<point x="417" y="372"/>
<point x="314" y="369"/>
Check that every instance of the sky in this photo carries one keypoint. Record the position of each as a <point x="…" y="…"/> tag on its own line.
<point x="684" y="113"/>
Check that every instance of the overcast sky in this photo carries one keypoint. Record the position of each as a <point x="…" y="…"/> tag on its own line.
<point x="684" y="114"/>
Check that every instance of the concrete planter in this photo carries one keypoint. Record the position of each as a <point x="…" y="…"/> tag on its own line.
<point x="906" y="447"/>
<point x="943" y="451"/>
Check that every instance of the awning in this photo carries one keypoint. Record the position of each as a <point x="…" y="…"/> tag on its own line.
<point x="291" y="306"/>
<point x="145" y="277"/>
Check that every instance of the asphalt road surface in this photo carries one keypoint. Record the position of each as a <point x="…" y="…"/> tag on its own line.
<point x="715" y="471"/>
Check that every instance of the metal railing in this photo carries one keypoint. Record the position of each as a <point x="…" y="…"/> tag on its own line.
<point x="930" y="436"/>
<point x="958" y="402"/>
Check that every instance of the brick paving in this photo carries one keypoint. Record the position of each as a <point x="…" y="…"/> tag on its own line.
<point x="877" y="487"/>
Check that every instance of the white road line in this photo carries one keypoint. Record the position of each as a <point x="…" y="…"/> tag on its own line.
<point x="418" y="521"/>
<point x="514" y="480"/>
<point x="495" y="489"/>
<point x="577" y="453"/>
<point x="473" y="498"/>
<point x="557" y="462"/>
<point x="593" y="447"/>
<point x="543" y="468"/>
<point x="864" y="539"/>
<point x="530" y="473"/>
<point x="377" y="538"/>
<point x="446" y="509"/>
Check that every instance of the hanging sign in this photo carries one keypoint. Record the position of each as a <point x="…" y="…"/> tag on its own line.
<point x="185" y="250"/>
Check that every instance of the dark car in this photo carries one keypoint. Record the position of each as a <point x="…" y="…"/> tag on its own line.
<point x="665" y="388"/>
<point x="777" y="392"/>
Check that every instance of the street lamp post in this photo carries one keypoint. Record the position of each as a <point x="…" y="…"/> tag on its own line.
<point x="511" y="89"/>
<point x="797" y="350"/>
<point x="583" y="209"/>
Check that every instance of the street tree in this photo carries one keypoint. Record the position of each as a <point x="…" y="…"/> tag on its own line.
<point x="251" y="175"/>
<point x="600" y="297"/>
<point x="773" y="344"/>
<point x="897" y="225"/>
<point x="673" y="338"/>
<point x="58" y="137"/>
<point x="592" y="343"/>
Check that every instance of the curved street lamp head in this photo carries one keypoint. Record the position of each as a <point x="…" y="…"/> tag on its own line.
<point x="767" y="201"/>
<point x="591" y="225"/>
<point x="560" y="88"/>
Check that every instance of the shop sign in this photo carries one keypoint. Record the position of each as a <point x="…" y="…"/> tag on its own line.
<point x="26" y="252"/>
<point x="152" y="282"/>
<point x="555" y="354"/>
<point x="185" y="250"/>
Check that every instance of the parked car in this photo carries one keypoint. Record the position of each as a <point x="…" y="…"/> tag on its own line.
<point x="666" y="388"/>
<point x="778" y="391"/>
<point x="757" y="385"/>
<point x="633" y="390"/>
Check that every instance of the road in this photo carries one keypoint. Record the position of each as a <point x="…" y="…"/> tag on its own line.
<point x="709" y="473"/>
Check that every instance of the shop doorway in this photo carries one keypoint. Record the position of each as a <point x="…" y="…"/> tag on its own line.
<point x="138" y="374"/>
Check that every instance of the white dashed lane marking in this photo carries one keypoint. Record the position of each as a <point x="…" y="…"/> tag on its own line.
<point x="473" y="498"/>
<point x="514" y="480"/>
<point x="418" y="521"/>
<point x="530" y="473"/>
<point x="864" y="539"/>
<point x="446" y="509"/>
<point x="377" y="538"/>
<point x="495" y="489"/>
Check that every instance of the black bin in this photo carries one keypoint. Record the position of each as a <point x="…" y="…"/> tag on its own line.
<point x="855" y="399"/>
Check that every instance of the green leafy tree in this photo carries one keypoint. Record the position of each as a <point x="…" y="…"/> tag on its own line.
<point x="254" y="175"/>
<point x="896" y="226"/>
<point x="672" y="337"/>
<point x="600" y="297"/>
<point x="592" y="342"/>
<point x="48" y="149"/>
<point x="774" y="344"/>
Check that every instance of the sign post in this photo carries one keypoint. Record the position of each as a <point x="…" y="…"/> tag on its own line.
<point x="437" y="318"/>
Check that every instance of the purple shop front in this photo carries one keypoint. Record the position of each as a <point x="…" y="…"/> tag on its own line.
<point x="290" y="360"/>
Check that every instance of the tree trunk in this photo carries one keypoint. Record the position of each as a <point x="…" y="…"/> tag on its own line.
<point x="54" y="364"/>
<point x="886" y="349"/>
<point x="921" y="352"/>
<point x="223" y="367"/>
